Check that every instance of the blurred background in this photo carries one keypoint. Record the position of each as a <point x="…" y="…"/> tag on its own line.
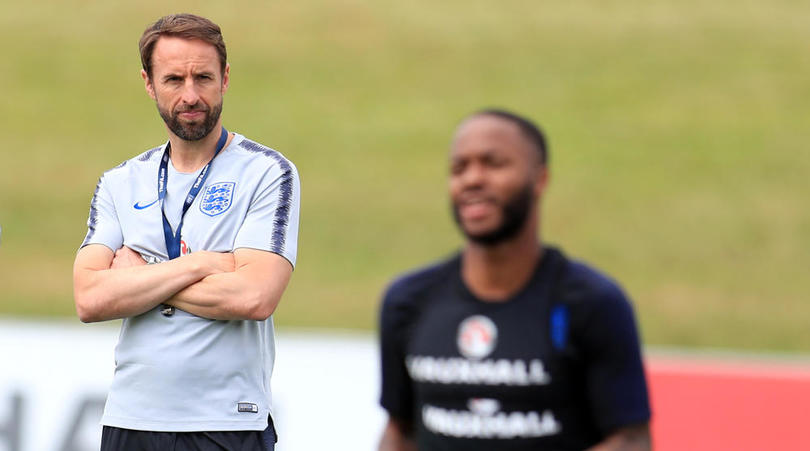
<point x="678" y="134"/>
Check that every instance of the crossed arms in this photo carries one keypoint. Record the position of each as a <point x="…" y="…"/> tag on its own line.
<point x="246" y="284"/>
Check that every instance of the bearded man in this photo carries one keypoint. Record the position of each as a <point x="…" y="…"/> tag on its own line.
<point x="508" y="345"/>
<point x="192" y="244"/>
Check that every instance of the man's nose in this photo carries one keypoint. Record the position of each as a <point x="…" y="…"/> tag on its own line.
<point x="190" y="95"/>
<point x="473" y="175"/>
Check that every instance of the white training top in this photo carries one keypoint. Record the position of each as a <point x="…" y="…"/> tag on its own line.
<point x="186" y="373"/>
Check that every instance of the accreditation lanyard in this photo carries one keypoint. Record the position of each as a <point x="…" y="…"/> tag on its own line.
<point x="173" y="239"/>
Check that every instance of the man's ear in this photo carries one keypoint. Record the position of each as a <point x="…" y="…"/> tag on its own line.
<point x="226" y="78"/>
<point x="150" y="88"/>
<point x="541" y="180"/>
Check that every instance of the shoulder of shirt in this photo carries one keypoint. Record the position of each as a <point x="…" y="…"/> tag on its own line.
<point x="582" y="283"/>
<point x="407" y="288"/>
<point x="240" y="145"/>
<point x="260" y="153"/>
<point x="597" y="303"/>
<point x="149" y="157"/>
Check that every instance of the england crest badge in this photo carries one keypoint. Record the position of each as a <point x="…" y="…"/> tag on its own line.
<point x="217" y="198"/>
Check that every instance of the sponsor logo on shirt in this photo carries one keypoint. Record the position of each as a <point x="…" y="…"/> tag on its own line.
<point x="484" y="420"/>
<point x="477" y="337"/>
<point x="457" y="370"/>
<point x="217" y="198"/>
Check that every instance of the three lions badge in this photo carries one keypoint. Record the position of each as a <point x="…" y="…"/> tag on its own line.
<point x="217" y="198"/>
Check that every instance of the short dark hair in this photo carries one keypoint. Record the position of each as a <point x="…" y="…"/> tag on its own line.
<point x="186" y="26"/>
<point x="532" y="132"/>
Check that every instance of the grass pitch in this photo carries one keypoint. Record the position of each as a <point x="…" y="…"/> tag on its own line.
<point x="678" y="138"/>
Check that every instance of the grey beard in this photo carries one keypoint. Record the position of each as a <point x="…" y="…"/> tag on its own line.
<point x="194" y="132"/>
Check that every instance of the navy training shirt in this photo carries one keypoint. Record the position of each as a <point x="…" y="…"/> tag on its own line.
<point x="477" y="375"/>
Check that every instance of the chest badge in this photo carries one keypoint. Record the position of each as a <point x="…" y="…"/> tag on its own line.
<point x="477" y="337"/>
<point x="217" y="198"/>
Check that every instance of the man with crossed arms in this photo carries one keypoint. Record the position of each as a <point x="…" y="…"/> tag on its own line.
<point x="192" y="244"/>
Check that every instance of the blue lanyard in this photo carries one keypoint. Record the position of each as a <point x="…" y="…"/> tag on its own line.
<point x="173" y="239"/>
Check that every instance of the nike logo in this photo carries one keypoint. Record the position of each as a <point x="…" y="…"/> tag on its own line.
<point x="138" y="205"/>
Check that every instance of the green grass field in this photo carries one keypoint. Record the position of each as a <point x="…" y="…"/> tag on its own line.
<point x="678" y="135"/>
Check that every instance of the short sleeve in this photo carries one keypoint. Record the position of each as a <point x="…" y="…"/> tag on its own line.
<point x="616" y="385"/>
<point x="271" y="222"/>
<point x="397" y="391"/>
<point x="103" y="226"/>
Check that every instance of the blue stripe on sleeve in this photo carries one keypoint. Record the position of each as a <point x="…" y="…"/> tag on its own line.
<point x="282" y="215"/>
<point x="92" y="220"/>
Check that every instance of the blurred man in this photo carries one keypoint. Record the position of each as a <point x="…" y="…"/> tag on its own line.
<point x="215" y="216"/>
<point x="508" y="345"/>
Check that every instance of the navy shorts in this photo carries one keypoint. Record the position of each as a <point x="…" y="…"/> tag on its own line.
<point x="118" y="439"/>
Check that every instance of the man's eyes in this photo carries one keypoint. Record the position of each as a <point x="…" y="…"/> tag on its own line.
<point x="177" y="78"/>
